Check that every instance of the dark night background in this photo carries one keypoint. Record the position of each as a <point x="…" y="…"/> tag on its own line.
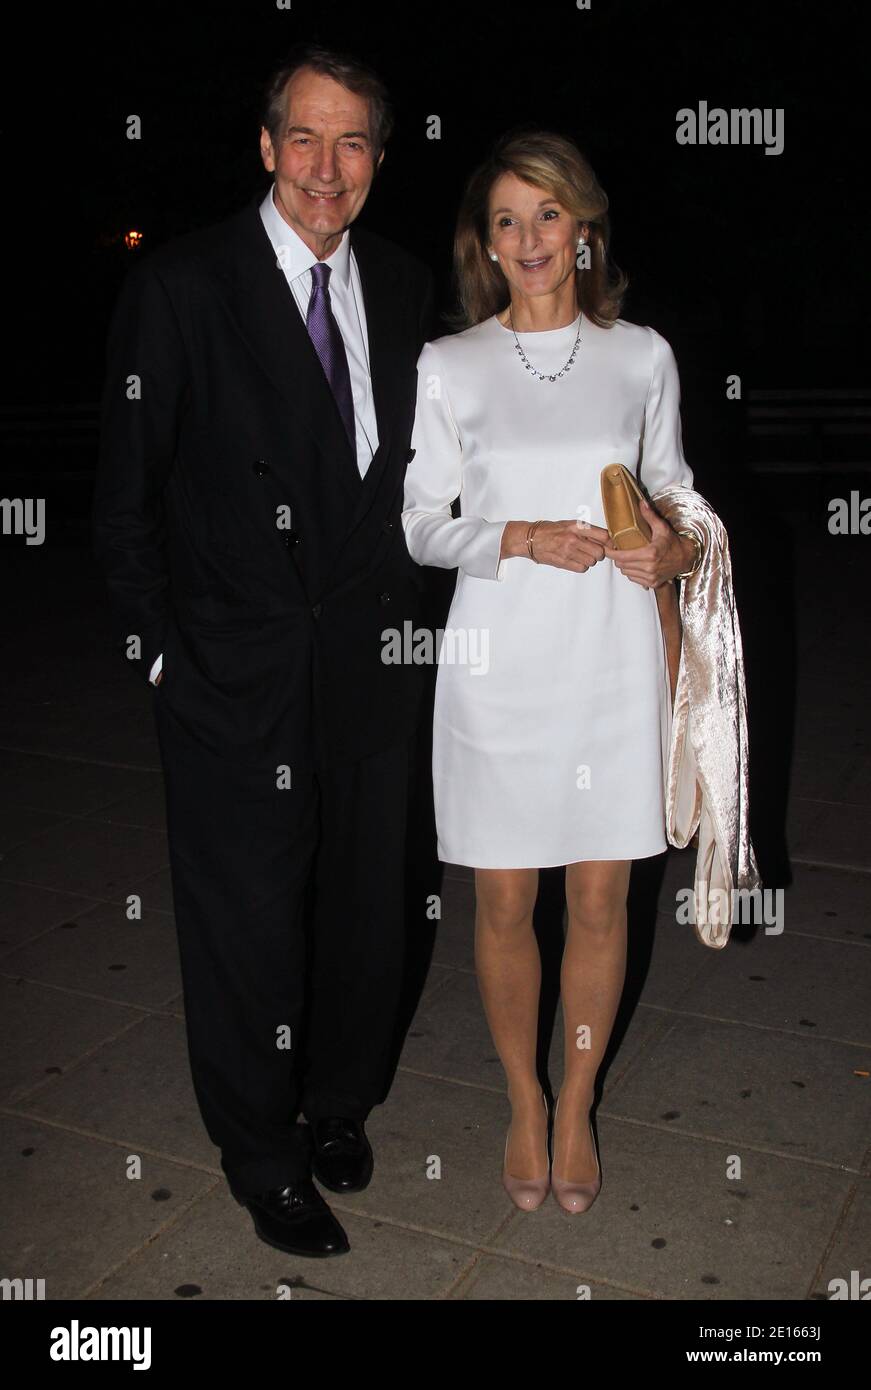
<point x="747" y="263"/>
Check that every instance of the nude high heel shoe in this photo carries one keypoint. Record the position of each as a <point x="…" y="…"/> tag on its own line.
<point x="527" y="1193"/>
<point x="577" y="1197"/>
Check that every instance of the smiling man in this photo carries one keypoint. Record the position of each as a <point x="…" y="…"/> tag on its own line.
<point x="246" y="516"/>
<point x="320" y="183"/>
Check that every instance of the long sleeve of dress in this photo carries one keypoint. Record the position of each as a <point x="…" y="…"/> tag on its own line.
<point x="662" y="458"/>
<point x="434" y="479"/>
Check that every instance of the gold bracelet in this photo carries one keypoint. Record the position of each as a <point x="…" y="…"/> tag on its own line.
<point x="699" y="552"/>
<point x="529" y="535"/>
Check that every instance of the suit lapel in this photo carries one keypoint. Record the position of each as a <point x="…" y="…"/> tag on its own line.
<point x="266" y="315"/>
<point x="385" y="348"/>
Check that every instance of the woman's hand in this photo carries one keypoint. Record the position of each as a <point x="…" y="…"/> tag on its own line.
<point x="567" y="545"/>
<point x="666" y="556"/>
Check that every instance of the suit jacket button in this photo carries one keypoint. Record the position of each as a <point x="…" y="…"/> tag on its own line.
<point x="290" y="538"/>
<point x="384" y="598"/>
<point x="410" y="455"/>
<point x="260" y="467"/>
<point x="387" y="524"/>
<point x="317" y="610"/>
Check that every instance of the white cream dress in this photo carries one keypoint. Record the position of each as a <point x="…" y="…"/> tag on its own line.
<point x="552" y="704"/>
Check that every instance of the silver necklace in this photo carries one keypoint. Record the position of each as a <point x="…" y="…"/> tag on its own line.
<point x="545" y="376"/>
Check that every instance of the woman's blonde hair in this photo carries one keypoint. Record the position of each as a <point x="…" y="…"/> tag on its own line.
<point x="555" y="164"/>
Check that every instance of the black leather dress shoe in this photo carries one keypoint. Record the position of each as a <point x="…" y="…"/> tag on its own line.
<point x="295" y="1219"/>
<point x="342" y="1159"/>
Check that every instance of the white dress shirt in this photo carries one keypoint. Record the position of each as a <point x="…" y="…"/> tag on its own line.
<point x="346" y="299"/>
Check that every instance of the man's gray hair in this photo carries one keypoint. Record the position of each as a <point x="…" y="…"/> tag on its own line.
<point x="343" y="68"/>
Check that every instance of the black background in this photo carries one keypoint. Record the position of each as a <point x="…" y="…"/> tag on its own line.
<point x="746" y="262"/>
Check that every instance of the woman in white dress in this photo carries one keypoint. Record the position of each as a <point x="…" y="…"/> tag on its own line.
<point x="551" y="695"/>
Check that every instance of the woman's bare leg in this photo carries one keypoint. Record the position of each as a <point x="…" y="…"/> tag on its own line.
<point x="509" y="979"/>
<point x="591" y="983"/>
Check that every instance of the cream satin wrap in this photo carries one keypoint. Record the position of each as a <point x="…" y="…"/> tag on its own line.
<point x="706" y="758"/>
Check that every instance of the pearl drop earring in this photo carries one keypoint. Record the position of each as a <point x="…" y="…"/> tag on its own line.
<point x="493" y="256"/>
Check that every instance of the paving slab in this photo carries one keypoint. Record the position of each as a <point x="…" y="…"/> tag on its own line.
<point x="834" y="903"/>
<point x="676" y="960"/>
<point x="449" y="1038"/>
<point x="211" y="1253"/>
<point x="19" y="826"/>
<point x="774" y="981"/>
<point x="131" y="737"/>
<point x="70" y="1210"/>
<point x="455" y="936"/>
<point x="136" y="1089"/>
<point x="145" y="805"/>
<point x="834" y="833"/>
<point x="439" y="1149"/>
<point x="26" y="912"/>
<point x="90" y="857"/>
<point x="800" y="1097"/>
<point x="104" y="954"/>
<point x="65" y="786"/>
<point x="155" y="890"/>
<point x="848" y="1259"/>
<point x="47" y="1031"/>
<point x="668" y="1221"/>
<point x="758" y="1053"/>
<point x="823" y="779"/>
<point x="510" y="1280"/>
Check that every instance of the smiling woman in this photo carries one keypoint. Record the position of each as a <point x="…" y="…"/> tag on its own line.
<point x="556" y="756"/>
<point x="549" y="176"/>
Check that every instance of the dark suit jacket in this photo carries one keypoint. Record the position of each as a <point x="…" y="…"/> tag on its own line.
<point x="271" y="636"/>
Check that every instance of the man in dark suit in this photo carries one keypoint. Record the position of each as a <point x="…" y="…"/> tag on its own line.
<point x="257" y="415"/>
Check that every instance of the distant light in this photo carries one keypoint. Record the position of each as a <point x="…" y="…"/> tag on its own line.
<point x="132" y="240"/>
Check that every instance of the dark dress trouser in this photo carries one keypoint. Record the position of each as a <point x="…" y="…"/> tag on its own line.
<point x="289" y="910"/>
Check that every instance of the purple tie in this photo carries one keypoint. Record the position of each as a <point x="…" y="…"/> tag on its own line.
<point x="324" y="333"/>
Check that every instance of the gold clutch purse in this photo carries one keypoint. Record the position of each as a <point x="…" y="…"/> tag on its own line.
<point x="621" y="499"/>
